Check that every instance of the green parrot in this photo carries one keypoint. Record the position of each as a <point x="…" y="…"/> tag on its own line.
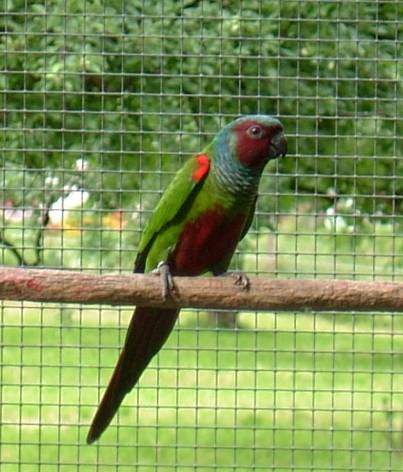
<point x="202" y="215"/>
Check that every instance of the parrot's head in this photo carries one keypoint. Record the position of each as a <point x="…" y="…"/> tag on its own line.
<point x="255" y="139"/>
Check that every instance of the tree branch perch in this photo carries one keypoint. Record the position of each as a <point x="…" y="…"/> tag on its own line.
<point x="44" y="285"/>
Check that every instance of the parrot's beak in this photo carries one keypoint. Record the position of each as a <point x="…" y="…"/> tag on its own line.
<point x="278" y="145"/>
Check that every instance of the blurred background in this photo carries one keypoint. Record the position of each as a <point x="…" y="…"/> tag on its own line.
<point x="100" y="103"/>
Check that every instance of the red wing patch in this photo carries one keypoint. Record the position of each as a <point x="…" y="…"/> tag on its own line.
<point x="203" y="166"/>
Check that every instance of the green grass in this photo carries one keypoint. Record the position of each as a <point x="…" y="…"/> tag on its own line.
<point x="303" y="247"/>
<point x="284" y="392"/>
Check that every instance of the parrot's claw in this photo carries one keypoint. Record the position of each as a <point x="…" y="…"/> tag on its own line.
<point x="241" y="279"/>
<point x="167" y="282"/>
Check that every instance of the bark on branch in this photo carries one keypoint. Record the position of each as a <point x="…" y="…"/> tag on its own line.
<point x="43" y="285"/>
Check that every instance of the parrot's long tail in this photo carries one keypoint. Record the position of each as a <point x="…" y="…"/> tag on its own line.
<point x="148" y="330"/>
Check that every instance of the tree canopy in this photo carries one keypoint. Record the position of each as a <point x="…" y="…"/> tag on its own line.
<point x="132" y="87"/>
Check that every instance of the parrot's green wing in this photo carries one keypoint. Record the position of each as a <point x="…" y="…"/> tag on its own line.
<point x="179" y="192"/>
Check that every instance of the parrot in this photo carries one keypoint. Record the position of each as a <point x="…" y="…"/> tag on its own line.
<point x="194" y="229"/>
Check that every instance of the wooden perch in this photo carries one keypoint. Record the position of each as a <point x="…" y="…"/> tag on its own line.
<point x="43" y="285"/>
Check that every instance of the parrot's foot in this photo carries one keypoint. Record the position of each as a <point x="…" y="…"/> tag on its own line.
<point x="241" y="279"/>
<point x="167" y="282"/>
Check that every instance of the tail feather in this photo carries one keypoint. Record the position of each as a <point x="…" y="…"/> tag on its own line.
<point x="148" y="330"/>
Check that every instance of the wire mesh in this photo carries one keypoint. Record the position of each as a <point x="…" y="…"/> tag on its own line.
<point x="100" y="104"/>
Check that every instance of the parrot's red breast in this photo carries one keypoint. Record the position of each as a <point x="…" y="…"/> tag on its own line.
<point x="199" y="248"/>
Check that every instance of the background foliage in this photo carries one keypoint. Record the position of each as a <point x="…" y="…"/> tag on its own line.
<point x="136" y="86"/>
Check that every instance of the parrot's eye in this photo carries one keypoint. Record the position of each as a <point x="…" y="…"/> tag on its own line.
<point x="255" y="132"/>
